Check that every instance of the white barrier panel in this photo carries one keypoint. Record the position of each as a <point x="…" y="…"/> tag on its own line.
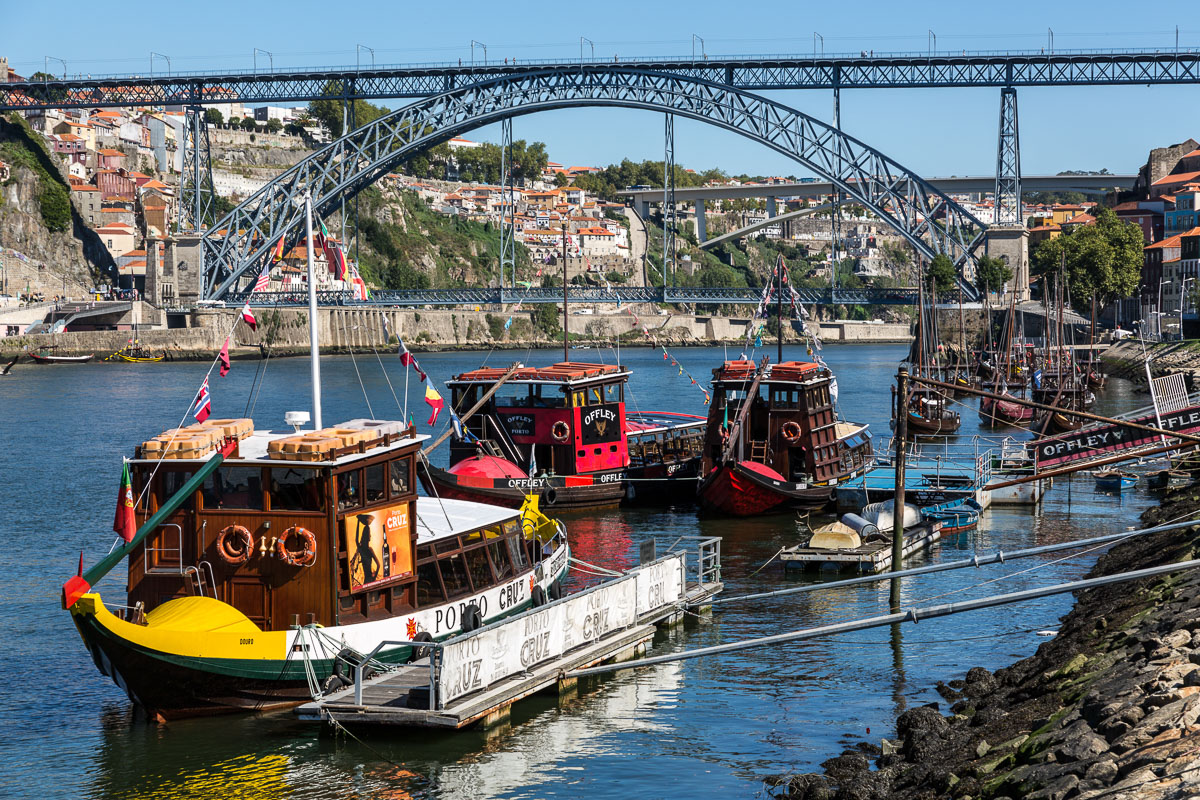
<point x="660" y="583"/>
<point x="474" y="662"/>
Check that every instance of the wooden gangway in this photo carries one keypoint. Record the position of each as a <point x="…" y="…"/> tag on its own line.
<point x="476" y="677"/>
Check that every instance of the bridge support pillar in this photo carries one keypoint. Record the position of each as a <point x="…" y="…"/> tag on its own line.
<point x="185" y="258"/>
<point x="668" y="260"/>
<point x="195" y="180"/>
<point x="508" y="260"/>
<point x="1008" y="163"/>
<point x="701" y="224"/>
<point x="1010" y="243"/>
<point x="772" y="209"/>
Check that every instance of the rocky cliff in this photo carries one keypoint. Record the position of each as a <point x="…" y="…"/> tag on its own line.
<point x="38" y="221"/>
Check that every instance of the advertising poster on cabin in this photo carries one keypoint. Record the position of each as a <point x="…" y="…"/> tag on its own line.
<point x="379" y="544"/>
<point x="1107" y="440"/>
<point x="601" y="423"/>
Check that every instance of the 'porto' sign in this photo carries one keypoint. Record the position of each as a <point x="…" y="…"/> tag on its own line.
<point x="1111" y="439"/>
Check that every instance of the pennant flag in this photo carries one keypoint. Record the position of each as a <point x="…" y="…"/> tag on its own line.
<point x="461" y="433"/>
<point x="335" y="258"/>
<point x="248" y="316"/>
<point x="264" y="278"/>
<point x="277" y="256"/>
<point x="359" y="284"/>
<point x="224" y="357"/>
<point x="124" y="522"/>
<point x="202" y="406"/>
<point x="435" y="402"/>
<point x="387" y="335"/>
<point x="532" y="460"/>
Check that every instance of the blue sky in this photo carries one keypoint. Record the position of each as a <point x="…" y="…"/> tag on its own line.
<point x="935" y="132"/>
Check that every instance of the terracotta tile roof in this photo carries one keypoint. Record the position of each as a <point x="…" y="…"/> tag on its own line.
<point x="69" y="137"/>
<point x="1080" y="219"/>
<point x="1193" y="232"/>
<point x="1172" y="241"/>
<point x="1172" y="180"/>
<point x="1172" y="260"/>
<point x="84" y="188"/>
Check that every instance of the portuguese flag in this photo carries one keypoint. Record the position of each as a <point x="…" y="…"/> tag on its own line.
<point x="124" y="522"/>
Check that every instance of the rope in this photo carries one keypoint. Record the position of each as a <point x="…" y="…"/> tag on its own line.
<point x="768" y="561"/>
<point x="354" y="361"/>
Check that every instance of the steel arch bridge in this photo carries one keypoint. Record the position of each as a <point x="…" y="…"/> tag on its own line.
<point x="926" y="217"/>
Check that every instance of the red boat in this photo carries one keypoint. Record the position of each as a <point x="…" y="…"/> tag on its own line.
<point x="1002" y="412"/>
<point x="561" y="431"/>
<point x="774" y="440"/>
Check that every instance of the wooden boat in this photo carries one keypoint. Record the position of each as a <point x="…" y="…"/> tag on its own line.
<point x="928" y="413"/>
<point x="1168" y="479"/>
<point x="773" y="440"/>
<point x="1115" y="480"/>
<point x="956" y="516"/>
<point x="265" y="563"/>
<point x="7" y="368"/>
<point x="562" y="432"/>
<point x="46" y="355"/>
<point x="136" y="354"/>
<point x="995" y="413"/>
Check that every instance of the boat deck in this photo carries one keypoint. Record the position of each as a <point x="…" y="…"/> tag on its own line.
<point x="867" y="558"/>
<point x="402" y="697"/>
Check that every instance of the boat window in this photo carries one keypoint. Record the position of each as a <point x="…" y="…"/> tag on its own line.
<point x="171" y="483"/>
<point x="429" y="588"/>
<point x="577" y="399"/>
<point x="477" y="563"/>
<point x="500" y="560"/>
<point x="234" y="487"/>
<point x="424" y="552"/>
<point x="375" y="483"/>
<point x="399" y="472"/>
<point x="785" y="398"/>
<point x="296" y="489"/>
<point x="349" y="495"/>
<point x="511" y="527"/>
<point x="517" y="552"/>
<point x="454" y="575"/>
<point x="597" y="396"/>
<point x="446" y="545"/>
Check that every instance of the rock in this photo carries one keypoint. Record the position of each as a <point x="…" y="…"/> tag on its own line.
<point x="986" y="716"/>
<point x="1073" y="666"/>
<point x="1056" y="790"/>
<point x="948" y="693"/>
<point x="843" y="768"/>
<point x="980" y="682"/>
<point x="1177" y="639"/>
<point x="982" y="748"/>
<point x="1079" y="743"/>
<point x="806" y="787"/>
<point x="1103" y="770"/>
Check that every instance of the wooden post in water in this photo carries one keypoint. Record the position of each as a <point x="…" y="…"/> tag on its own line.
<point x="898" y="503"/>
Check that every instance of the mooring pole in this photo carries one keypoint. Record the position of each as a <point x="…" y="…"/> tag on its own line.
<point x="898" y="504"/>
<point x="566" y="355"/>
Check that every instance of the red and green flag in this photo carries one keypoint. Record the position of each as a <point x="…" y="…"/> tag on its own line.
<point x="124" y="522"/>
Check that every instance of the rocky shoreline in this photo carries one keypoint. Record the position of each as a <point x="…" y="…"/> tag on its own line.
<point x="1126" y="359"/>
<point x="1108" y="708"/>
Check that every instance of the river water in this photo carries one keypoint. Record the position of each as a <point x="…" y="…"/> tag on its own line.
<point x="699" y="728"/>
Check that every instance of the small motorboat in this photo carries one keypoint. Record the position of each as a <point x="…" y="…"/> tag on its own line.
<point x="956" y="516"/>
<point x="1168" y="479"/>
<point x="1115" y="480"/>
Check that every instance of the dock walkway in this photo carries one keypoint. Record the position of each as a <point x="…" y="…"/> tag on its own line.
<point x="476" y="677"/>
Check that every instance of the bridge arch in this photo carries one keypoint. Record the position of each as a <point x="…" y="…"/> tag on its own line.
<point x="930" y="221"/>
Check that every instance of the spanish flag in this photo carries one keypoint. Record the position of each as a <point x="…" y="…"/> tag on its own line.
<point x="435" y="402"/>
<point x="124" y="522"/>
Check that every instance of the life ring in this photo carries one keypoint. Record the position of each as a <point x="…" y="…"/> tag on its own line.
<point x="560" y="430"/>
<point x="791" y="431"/>
<point x="550" y="496"/>
<point x="231" y="552"/>
<point x="556" y="591"/>
<point x="304" y="557"/>
<point x="538" y="595"/>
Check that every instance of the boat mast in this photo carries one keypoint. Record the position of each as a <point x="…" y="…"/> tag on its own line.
<point x="313" y="332"/>
<point x="779" y="305"/>
<point x="564" y="233"/>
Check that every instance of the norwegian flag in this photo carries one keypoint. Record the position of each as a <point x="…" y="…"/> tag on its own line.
<point x="202" y="406"/>
<point x="264" y="279"/>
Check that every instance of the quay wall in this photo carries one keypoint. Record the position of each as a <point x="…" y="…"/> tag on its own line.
<point x="285" y="331"/>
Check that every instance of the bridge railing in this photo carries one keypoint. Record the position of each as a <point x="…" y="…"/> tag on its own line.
<point x="352" y="70"/>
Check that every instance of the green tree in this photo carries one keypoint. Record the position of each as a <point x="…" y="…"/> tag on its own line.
<point x="941" y="274"/>
<point x="274" y="126"/>
<point x="1104" y="258"/>
<point x="328" y="110"/>
<point x="560" y="179"/>
<point x="235" y="122"/>
<point x="249" y="124"/>
<point x="213" y="116"/>
<point x="991" y="274"/>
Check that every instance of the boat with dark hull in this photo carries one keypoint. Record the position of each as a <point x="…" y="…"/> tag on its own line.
<point x="773" y="440"/>
<point x="49" y="355"/>
<point x="562" y="432"/>
<point x="996" y="413"/>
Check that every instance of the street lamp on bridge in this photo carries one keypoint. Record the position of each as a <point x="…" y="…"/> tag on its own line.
<point x="160" y="55"/>
<point x="47" y="61"/>
<point x="481" y="44"/>
<point x="358" y="48"/>
<point x="702" y="53"/>
<point x="270" y="56"/>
